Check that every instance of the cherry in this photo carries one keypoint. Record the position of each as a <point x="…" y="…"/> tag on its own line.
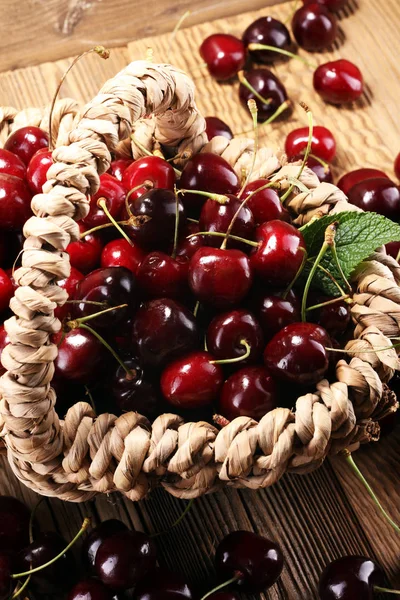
<point x="70" y="284"/>
<point x="267" y="85"/>
<point x="26" y="141"/>
<point x="14" y="525"/>
<point x="80" y="356"/>
<point x="332" y="5"/>
<point x="265" y="204"/>
<point x="11" y="164"/>
<point x="209" y="173"/>
<point x="161" y="584"/>
<point x="298" y="353"/>
<point x="256" y="561"/>
<point x="227" y="331"/>
<point x="322" y="171"/>
<point x="85" y="253"/>
<point x="314" y="27"/>
<point x="269" y="32"/>
<point x="90" y="589"/>
<point x="96" y="537"/>
<point x="125" y="558"/>
<point x="163" y="330"/>
<point x="323" y="143"/>
<point x="397" y="166"/>
<point x="333" y="317"/>
<point x="393" y="249"/>
<point x="220" y="278"/>
<point x="121" y="253"/>
<point x="217" y="127"/>
<point x="379" y="195"/>
<point x="338" y="81"/>
<point x="224" y="54"/>
<point x="192" y="381"/>
<point x="217" y="217"/>
<point x="6" y="290"/>
<point x="113" y="193"/>
<point x="159" y="275"/>
<point x="279" y="244"/>
<point x="11" y="244"/>
<point x="15" y="202"/>
<point x="188" y="246"/>
<point x="118" y="167"/>
<point x="36" y="174"/>
<point x="274" y="312"/>
<point x="4" y="341"/>
<point x="134" y="392"/>
<point x="6" y="584"/>
<point x="347" y="181"/>
<point x="350" y="577"/>
<point x="250" y="392"/>
<point x="150" y="171"/>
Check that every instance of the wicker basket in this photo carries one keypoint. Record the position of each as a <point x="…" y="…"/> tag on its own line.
<point x="84" y="454"/>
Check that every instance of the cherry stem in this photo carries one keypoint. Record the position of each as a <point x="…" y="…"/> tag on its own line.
<point x="222" y="586"/>
<point x="331" y="277"/>
<point x="102" y="52"/>
<point x="91" y="399"/>
<point x="339" y="267"/>
<point x="255" y="46"/>
<point x="32" y="518"/>
<point x="377" y="588"/>
<point x="196" y="308"/>
<point x="175" y="248"/>
<point x="224" y="235"/>
<point x="350" y="461"/>
<point x="85" y="525"/>
<point x="140" y="146"/>
<point x="192" y="220"/>
<point x="254" y="112"/>
<point x="307" y="151"/>
<point x="94" y="302"/>
<point x="281" y="108"/>
<point x="319" y="160"/>
<point x="97" y="228"/>
<point x="299" y="272"/>
<point x="102" y="204"/>
<point x="146" y="184"/>
<point x="74" y="324"/>
<point x="106" y="345"/>
<point x="175" y="31"/>
<point x="248" y="85"/>
<point x="220" y="198"/>
<point x="328" y="302"/>
<point x="229" y="361"/>
<point x="22" y="588"/>
<point x="299" y="184"/>
<point x="178" y="520"/>
<point x="398" y="257"/>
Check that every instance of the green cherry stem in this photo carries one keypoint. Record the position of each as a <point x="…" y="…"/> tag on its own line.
<point x="225" y="235"/>
<point x="307" y="151"/>
<point x="99" y="228"/>
<point x="176" y="231"/>
<point x="299" y="272"/>
<point x="196" y="308"/>
<point x="331" y="277"/>
<point x="78" y="322"/>
<point x="319" y="160"/>
<point x="32" y="518"/>
<point x="178" y="520"/>
<point x="102" y="204"/>
<point x="21" y="589"/>
<point x="175" y="31"/>
<point x="248" y="85"/>
<point x="254" y="112"/>
<point x="333" y="301"/>
<point x="255" y="46"/>
<point x="377" y="588"/>
<point x="222" y="586"/>
<point x="352" y="464"/>
<point x="339" y="267"/>
<point x="85" y="525"/>
<point x="91" y="399"/>
<point x="220" y="198"/>
<point x="299" y="184"/>
<point x="281" y="108"/>
<point x="109" y="348"/>
<point x="230" y="361"/>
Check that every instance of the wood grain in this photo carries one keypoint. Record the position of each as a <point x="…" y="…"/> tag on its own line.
<point x="314" y="518"/>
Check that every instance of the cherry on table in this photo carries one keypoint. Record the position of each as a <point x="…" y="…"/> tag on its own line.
<point x="11" y="164"/>
<point x="250" y="392"/>
<point x="162" y="276"/>
<point x="90" y="589"/>
<point x="161" y="584"/>
<point x="216" y="217"/>
<point x="112" y="191"/>
<point x="15" y="202"/>
<point x="226" y="333"/>
<point x="134" y="392"/>
<point x="380" y="195"/>
<point x="84" y="254"/>
<point x="350" y="179"/>
<point x="338" y="81"/>
<point x="217" y="127"/>
<point x="36" y="174"/>
<point x="275" y="312"/>
<point x="314" y="27"/>
<point x="323" y="143"/>
<point x="96" y="537"/>
<point x="269" y="87"/>
<point x="151" y="171"/>
<point x="81" y="356"/>
<point x="269" y="32"/>
<point x="121" y="253"/>
<point x="26" y="141"/>
<point x="350" y="577"/>
<point x="14" y="524"/>
<point x="265" y="204"/>
<point x="224" y="54"/>
<point x="118" y="166"/>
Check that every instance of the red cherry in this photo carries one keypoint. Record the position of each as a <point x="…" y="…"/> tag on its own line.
<point x="90" y="589"/>
<point x="274" y="312"/>
<point x="85" y="253"/>
<point x="192" y="381"/>
<point x="226" y="332"/>
<point x="118" y="167"/>
<point x="120" y="253"/>
<point x="338" y="81"/>
<point x="163" y="584"/>
<point x="332" y="5"/>
<point x="334" y="318"/>
<point x="153" y="170"/>
<point x="269" y="32"/>
<point x="397" y="166"/>
<point x="265" y="204"/>
<point x="161" y="276"/>
<point x="350" y="577"/>
<point x="134" y="392"/>
<point x="114" y="194"/>
<point x="377" y="195"/>
<point x="81" y="356"/>
<point x="250" y="392"/>
<point x="279" y="244"/>
<point x="347" y="181"/>
<point x="217" y="127"/>
<point x="393" y="249"/>
<point x="36" y="174"/>
<point x="11" y="164"/>
<point x="216" y="217"/>
<point x="6" y="290"/>
<point x="15" y="202"/>
<point x="269" y="87"/>
<point x="4" y="341"/>
<point x="25" y="142"/>
<point x="220" y="278"/>
<point x="314" y="27"/>
<point x="323" y="143"/>
<point x="324" y="173"/>
<point x="187" y="247"/>
<point x="70" y="285"/>
<point x="96" y="537"/>
<point x="224" y="54"/>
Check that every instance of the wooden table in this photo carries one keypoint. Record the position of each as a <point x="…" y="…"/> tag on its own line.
<point x="315" y="518"/>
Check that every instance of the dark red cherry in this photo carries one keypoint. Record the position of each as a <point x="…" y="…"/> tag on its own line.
<point x="323" y="143"/>
<point x="350" y="577"/>
<point x="265" y="204"/>
<point x="333" y="317"/>
<point x="350" y="179"/>
<point x="96" y="537"/>
<point x="81" y="356"/>
<point x="192" y="381"/>
<point x="14" y="525"/>
<point x="113" y="193"/>
<point x="279" y="244"/>
<point x="332" y="5"/>
<point x="11" y="164"/>
<point x="338" y="81"/>
<point x="36" y="174"/>
<point x="118" y="167"/>
<point x="25" y="142"/>
<point x="274" y="312"/>
<point x="6" y="582"/>
<point x="224" y="54"/>
<point x="324" y="173"/>
<point x="90" y="589"/>
<point x="163" y="330"/>
<point x="4" y="341"/>
<point x="226" y="332"/>
<point x="270" y="32"/>
<point x="269" y="87"/>
<point x="397" y="166"/>
<point x="151" y="171"/>
<point x="220" y="278"/>
<point x="125" y="558"/>
<point x="217" y="127"/>
<point x="188" y="246"/>
<point x="134" y="392"/>
<point x="207" y="172"/>
<point x="162" y="584"/>
<point x="379" y="195"/>
<point x="15" y="202"/>
<point x="161" y="276"/>
<point x="298" y="353"/>
<point x="250" y="392"/>
<point x="216" y="217"/>
<point x="314" y="27"/>
<point x="393" y="249"/>
<point x="85" y="253"/>
<point x="257" y="561"/>
<point x="6" y="290"/>
<point x="70" y="284"/>
<point x="121" y="253"/>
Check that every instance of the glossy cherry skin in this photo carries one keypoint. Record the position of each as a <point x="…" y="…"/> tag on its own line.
<point x="121" y="253"/>
<point x="279" y="244"/>
<point x="15" y="202"/>
<point x="220" y="278"/>
<point x="297" y="353"/>
<point x="314" y="27"/>
<point x="250" y="392"/>
<point x="258" y="560"/>
<point x="85" y="253"/>
<point x="6" y="290"/>
<point x="81" y="356"/>
<point x="25" y="142"/>
<point x="274" y="312"/>
<point x="397" y="166"/>
<point x="118" y="167"/>
<point x="192" y="381"/>
<point x="335" y="318"/>
<point x="393" y="249"/>
<point x="217" y="127"/>
<point x="135" y="392"/>
<point x="377" y="195"/>
<point x="224" y="54"/>
<point x="36" y="174"/>
<point x="161" y="276"/>
<point x="269" y="87"/>
<point x="113" y="193"/>
<point x="161" y="584"/>
<point x="14" y="525"/>
<point x="226" y="331"/>
<point x="338" y="81"/>
<point x="265" y="204"/>
<point x="216" y="217"/>
<point x="90" y="589"/>
<point x="332" y="5"/>
<point x="188" y="246"/>
<point x="350" y="577"/>
<point x="125" y="558"/>
<point x="4" y="341"/>
<point x="270" y="32"/>
<point x="96" y="537"/>
<point x="70" y="284"/>
<point x="163" y="330"/>
<point x="11" y="164"/>
<point x="152" y="170"/>
<point x="350" y="179"/>
<point x="209" y="173"/>
<point x="323" y="143"/>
